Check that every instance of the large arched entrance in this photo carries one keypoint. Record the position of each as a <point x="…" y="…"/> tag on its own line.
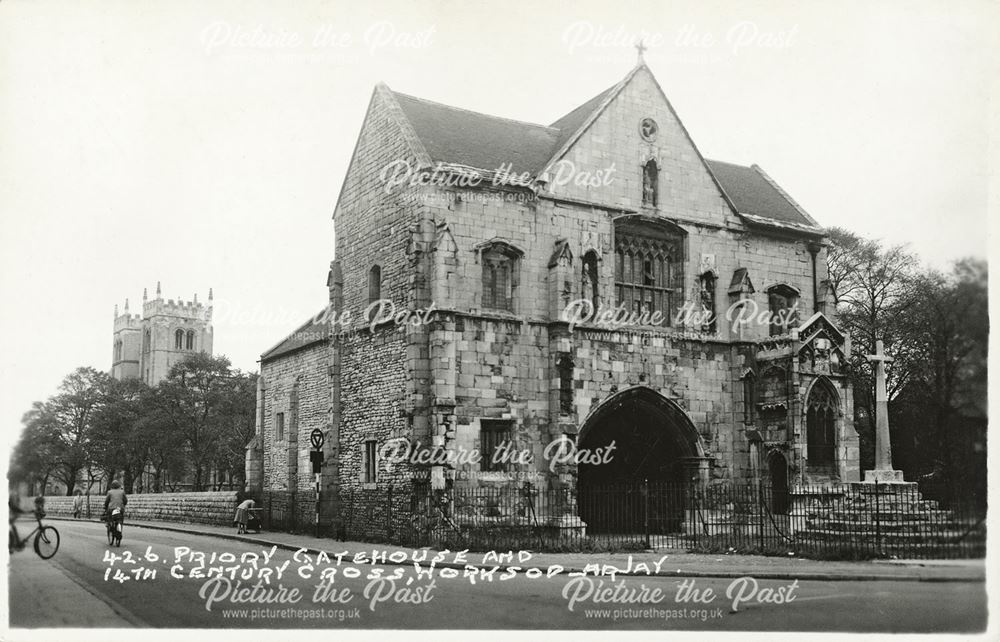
<point x="643" y="484"/>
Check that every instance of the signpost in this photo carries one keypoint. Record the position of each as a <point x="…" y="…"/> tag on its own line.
<point x="317" y="438"/>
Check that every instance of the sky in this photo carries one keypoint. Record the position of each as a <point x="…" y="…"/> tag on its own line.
<point x="203" y="144"/>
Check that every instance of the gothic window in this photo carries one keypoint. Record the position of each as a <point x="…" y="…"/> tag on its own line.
<point x="749" y="398"/>
<point x="492" y="434"/>
<point x="146" y="340"/>
<point x="179" y="340"/>
<point x="565" y="367"/>
<point x="649" y="269"/>
<point x="589" y="282"/>
<point x="500" y="277"/>
<point x="650" y="183"/>
<point x="371" y="461"/>
<point x="707" y="294"/>
<point x="782" y="301"/>
<point x="190" y="340"/>
<point x="279" y="426"/>
<point x="821" y="413"/>
<point x="374" y="284"/>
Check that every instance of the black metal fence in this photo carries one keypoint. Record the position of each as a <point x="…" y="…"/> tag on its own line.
<point x="851" y="521"/>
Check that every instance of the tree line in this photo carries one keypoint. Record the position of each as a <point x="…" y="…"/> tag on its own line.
<point x="935" y="325"/>
<point x="196" y="421"/>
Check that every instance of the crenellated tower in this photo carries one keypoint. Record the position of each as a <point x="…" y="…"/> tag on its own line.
<point x="168" y="330"/>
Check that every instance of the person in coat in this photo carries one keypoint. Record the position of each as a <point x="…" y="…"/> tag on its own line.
<point x="242" y="515"/>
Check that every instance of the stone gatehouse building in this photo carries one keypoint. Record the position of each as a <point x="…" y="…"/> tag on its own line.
<point x="730" y="364"/>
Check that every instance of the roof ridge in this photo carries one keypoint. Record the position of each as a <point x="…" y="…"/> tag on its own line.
<point x="472" y="111"/>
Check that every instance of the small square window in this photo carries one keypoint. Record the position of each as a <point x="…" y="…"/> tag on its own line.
<point x="492" y="435"/>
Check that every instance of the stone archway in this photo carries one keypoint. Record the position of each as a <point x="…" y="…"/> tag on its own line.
<point x="655" y="445"/>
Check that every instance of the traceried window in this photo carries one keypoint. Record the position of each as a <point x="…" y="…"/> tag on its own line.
<point x="190" y="340"/>
<point x="492" y="434"/>
<point x="782" y="301"/>
<point x="179" y="340"/>
<point x="821" y="414"/>
<point x="371" y="461"/>
<point x="500" y="277"/>
<point x="650" y="183"/>
<point x="649" y="269"/>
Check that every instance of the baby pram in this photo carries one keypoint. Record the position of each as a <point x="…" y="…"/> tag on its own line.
<point x="253" y="520"/>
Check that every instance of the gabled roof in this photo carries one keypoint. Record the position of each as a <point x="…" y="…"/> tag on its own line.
<point x="468" y="140"/>
<point x="315" y="330"/>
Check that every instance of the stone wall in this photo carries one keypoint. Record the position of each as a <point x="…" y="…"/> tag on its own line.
<point x="190" y="508"/>
<point x="297" y="385"/>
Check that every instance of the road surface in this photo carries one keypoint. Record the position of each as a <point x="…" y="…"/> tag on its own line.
<point x="78" y="588"/>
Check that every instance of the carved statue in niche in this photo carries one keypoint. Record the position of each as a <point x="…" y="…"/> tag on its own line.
<point x="707" y="294"/>
<point x="649" y="183"/>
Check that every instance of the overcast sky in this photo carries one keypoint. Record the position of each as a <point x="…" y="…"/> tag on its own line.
<point x="203" y="144"/>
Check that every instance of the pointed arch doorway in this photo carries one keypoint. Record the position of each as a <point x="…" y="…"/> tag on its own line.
<point x="643" y="485"/>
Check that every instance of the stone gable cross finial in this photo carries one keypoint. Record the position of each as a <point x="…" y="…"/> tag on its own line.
<point x="640" y="47"/>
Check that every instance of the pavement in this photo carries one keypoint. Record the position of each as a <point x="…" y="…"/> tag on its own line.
<point x="661" y="563"/>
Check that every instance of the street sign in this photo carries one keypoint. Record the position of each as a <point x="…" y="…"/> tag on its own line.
<point x="317" y="438"/>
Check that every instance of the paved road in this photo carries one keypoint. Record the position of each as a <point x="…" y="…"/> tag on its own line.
<point x="77" y="588"/>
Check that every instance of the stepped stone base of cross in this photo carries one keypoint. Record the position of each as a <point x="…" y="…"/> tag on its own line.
<point x="883" y="476"/>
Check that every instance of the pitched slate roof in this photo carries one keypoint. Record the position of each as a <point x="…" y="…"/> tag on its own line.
<point x="466" y="138"/>
<point x="462" y="137"/>
<point x="315" y="330"/>
<point x="753" y="192"/>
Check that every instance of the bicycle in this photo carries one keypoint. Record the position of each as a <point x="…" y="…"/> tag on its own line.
<point x="434" y="524"/>
<point x="115" y="527"/>
<point x="46" y="538"/>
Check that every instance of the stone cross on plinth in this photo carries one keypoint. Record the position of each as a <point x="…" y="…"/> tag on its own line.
<point x="883" y="451"/>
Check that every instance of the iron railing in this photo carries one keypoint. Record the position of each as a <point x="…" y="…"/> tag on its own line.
<point x="852" y="521"/>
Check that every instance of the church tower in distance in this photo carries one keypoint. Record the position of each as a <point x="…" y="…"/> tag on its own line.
<point x="146" y="346"/>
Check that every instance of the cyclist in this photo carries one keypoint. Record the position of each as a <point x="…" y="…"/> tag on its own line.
<point x="14" y="506"/>
<point x="115" y="499"/>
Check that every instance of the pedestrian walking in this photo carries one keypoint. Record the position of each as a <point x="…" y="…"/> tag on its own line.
<point x="77" y="504"/>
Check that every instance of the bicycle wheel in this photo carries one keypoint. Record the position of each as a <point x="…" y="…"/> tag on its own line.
<point x="47" y="542"/>
<point x="111" y="533"/>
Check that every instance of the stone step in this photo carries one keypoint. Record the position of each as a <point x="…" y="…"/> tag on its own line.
<point x="939" y="537"/>
<point x="888" y="527"/>
<point x="935" y="516"/>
